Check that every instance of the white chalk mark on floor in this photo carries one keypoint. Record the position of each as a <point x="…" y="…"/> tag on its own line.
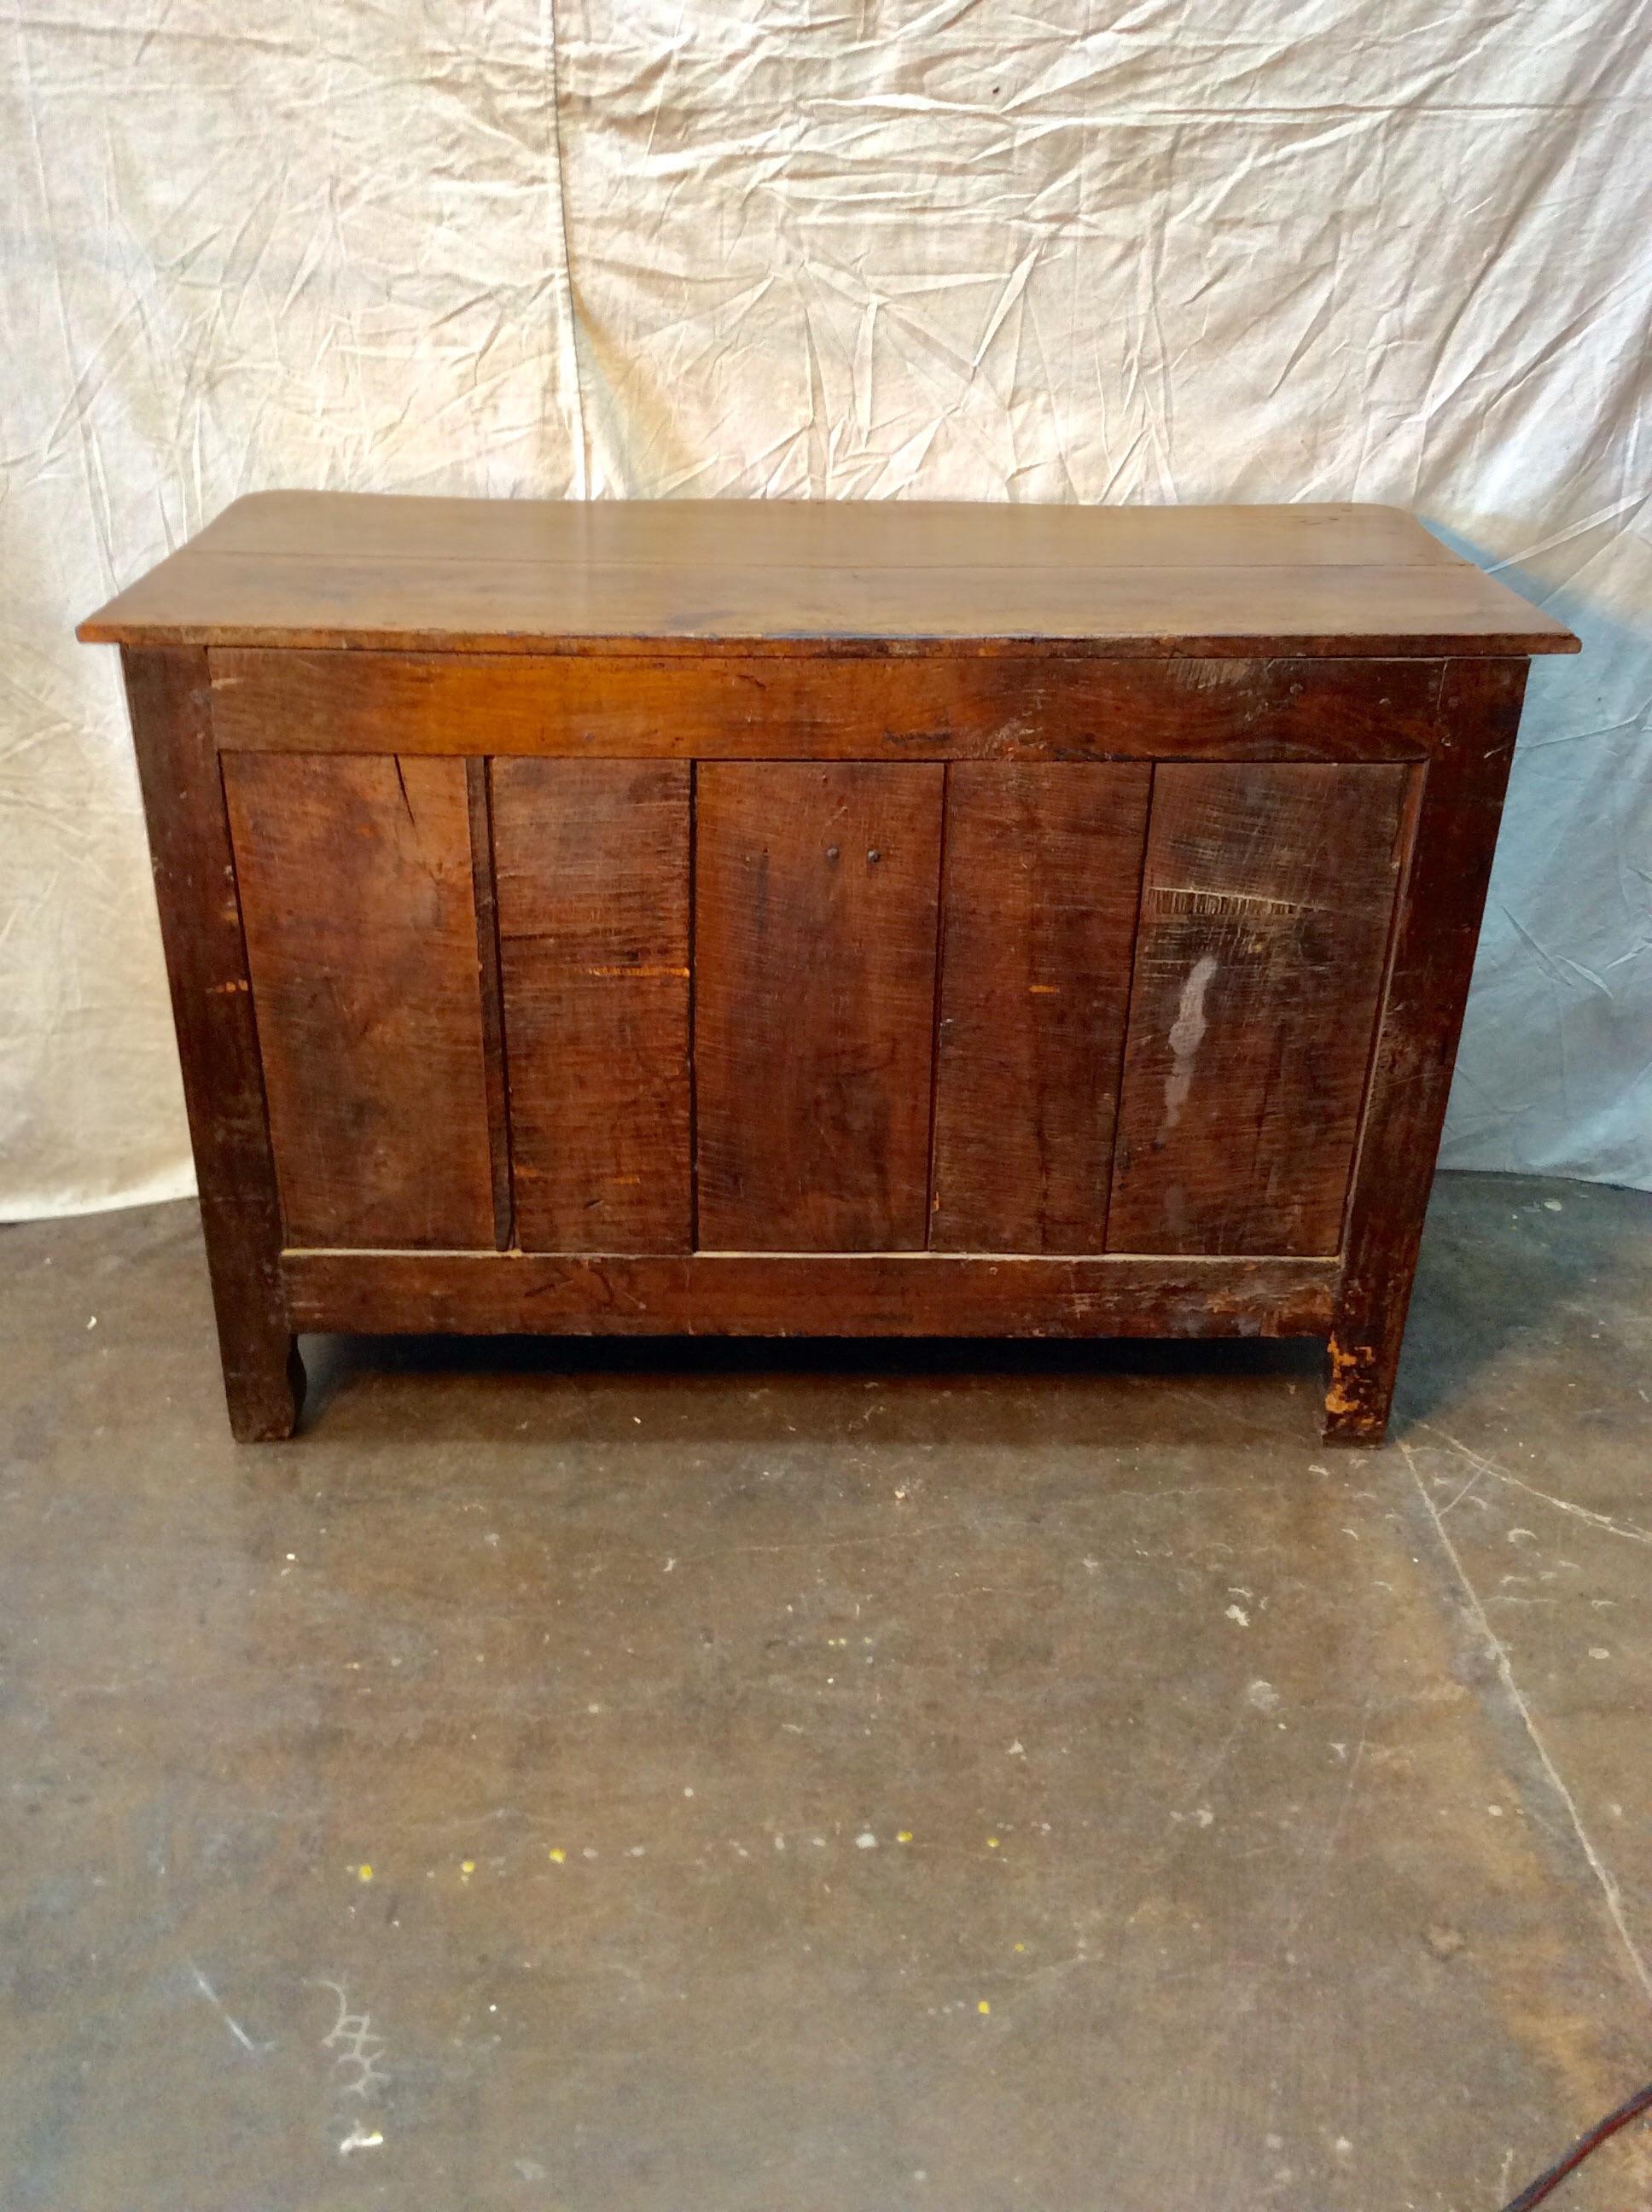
<point x="233" y="2025"/>
<point x="352" y="2035"/>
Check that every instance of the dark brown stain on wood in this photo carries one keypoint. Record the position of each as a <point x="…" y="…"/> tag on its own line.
<point x="199" y="904"/>
<point x="593" y="904"/>
<point x="932" y="707"/>
<point x="835" y="1294"/>
<point x="359" y="900"/>
<point x="1437" y="930"/>
<point x="816" y="892"/>
<point x="1043" y="867"/>
<point x="1265" y="911"/>
<point x="479" y="796"/>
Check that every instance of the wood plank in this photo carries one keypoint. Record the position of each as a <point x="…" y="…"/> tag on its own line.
<point x="217" y="1042"/>
<point x="1267" y="901"/>
<point x="1042" y="876"/>
<point x="816" y="889"/>
<point x="454" y="604"/>
<point x="883" y="1294"/>
<point x="294" y="569"/>
<point x="593" y="904"/>
<point x="478" y="797"/>
<point x="357" y="889"/>
<point x="819" y="533"/>
<point x="941" y="706"/>
<point x="1436" y="937"/>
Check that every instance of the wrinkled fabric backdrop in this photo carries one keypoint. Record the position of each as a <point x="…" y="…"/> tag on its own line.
<point x="1033" y="250"/>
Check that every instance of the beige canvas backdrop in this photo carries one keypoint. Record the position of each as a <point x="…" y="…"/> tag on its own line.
<point x="1033" y="250"/>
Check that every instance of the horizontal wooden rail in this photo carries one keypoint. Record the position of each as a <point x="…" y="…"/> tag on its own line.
<point x="807" y="1294"/>
<point x="938" y="707"/>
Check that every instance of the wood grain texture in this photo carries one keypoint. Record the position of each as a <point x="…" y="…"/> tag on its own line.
<point x="479" y="800"/>
<point x="745" y="1294"/>
<point x="1267" y="901"/>
<point x="217" y="1042"/>
<point x="936" y="706"/>
<point x="593" y="904"/>
<point x="1322" y="697"/>
<point x="816" y="889"/>
<point x="358" y="895"/>
<point x="1437" y="932"/>
<point x="1043" y="869"/>
<point x="452" y="606"/>
<point x="330" y="569"/>
<point x="700" y="534"/>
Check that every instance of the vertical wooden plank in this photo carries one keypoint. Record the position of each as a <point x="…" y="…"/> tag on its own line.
<point x="1266" y="905"/>
<point x="358" y="893"/>
<point x="479" y="800"/>
<point x="594" y="909"/>
<point x="1042" y="876"/>
<point x="815" y="893"/>
<point x="195" y="885"/>
<point x="1435" y="939"/>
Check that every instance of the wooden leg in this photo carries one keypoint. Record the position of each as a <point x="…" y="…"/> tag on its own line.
<point x="1436" y="930"/>
<point x="168" y="692"/>
<point x="264" y="1388"/>
<point x="1359" y="1390"/>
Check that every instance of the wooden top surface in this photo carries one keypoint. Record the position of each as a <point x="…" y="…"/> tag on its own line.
<point x="338" y="569"/>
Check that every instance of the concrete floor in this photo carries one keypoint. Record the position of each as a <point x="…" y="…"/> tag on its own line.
<point x="758" y="1779"/>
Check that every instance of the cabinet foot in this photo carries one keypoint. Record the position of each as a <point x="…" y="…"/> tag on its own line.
<point x="1358" y="1392"/>
<point x="265" y="1391"/>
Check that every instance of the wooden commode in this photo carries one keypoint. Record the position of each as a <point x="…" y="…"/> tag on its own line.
<point x="777" y="918"/>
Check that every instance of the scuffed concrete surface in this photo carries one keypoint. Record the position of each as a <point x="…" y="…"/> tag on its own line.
<point x="640" y="1779"/>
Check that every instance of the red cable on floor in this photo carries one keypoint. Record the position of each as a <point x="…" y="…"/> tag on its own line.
<point x="1536" y="2191"/>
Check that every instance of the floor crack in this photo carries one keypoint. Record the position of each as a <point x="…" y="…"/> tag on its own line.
<point x="1481" y="1466"/>
<point x="1603" y="1874"/>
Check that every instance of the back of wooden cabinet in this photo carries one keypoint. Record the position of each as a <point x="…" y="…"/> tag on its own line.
<point x="636" y="1005"/>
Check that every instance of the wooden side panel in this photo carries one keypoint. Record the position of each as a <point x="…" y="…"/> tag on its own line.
<point x="1042" y="875"/>
<point x="1267" y="900"/>
<point x="593" y="860"/>
<point x="217" y="1043"/>
<point x="1435" y="941"/>
<point x="816" y="891"/>
<point x="362" y="935"/>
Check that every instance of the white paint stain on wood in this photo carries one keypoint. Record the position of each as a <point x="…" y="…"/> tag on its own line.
<point x="1187" y="1034"/>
